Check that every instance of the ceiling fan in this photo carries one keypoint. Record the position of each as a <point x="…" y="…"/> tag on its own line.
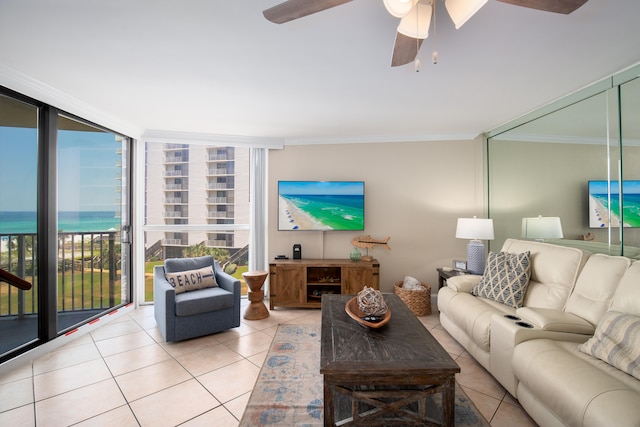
<point x="415" y="16"/>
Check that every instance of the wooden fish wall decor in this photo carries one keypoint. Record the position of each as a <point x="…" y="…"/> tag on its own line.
<point x="369" y="242"/>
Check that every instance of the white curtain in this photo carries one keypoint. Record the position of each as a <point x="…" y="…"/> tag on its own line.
<point x="258" y="220"/>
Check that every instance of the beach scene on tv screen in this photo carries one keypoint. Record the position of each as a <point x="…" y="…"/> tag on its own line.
<point x="600" y="200"/>
<point x="320" y="205"/>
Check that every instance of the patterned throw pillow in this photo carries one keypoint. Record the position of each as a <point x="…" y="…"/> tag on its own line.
<point x="617" y="342"/>
<point x="505" y="278"/>
<point x="192" y="280"/>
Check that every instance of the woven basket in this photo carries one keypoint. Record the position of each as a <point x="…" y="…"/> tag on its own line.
<point x="418" y="301"/>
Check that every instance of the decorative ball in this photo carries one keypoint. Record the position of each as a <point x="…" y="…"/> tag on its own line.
<point x="371" y="302"/>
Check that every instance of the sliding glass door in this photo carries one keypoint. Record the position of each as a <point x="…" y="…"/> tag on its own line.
<point x="91" y="219"/>
<point x="18" y="222"/>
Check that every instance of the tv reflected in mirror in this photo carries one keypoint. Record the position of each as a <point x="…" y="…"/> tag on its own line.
<point x="600" y="198"/>
<point x="320" y="205"/>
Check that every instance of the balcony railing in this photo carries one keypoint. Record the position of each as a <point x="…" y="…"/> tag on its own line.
<point x="176" y="159"/>
<point x="220" y="186"/>
<point x="177" y="187"/>
<point x="219" y="215"/>
<point x="218" y="200"/>
<point x="88" y="278"/>
<point x="175" y="214"/>
<point x="173" y="201"/>
<point x="219" y="171"/>
<point x="219" y="243"/>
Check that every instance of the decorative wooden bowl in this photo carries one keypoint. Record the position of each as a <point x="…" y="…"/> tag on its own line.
<point x="356" y="314"/>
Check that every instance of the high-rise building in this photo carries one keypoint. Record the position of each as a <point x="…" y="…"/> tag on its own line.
<point x="196" y="185"/>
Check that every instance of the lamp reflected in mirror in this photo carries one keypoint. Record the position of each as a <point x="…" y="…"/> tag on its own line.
<point x="542" y="227"/>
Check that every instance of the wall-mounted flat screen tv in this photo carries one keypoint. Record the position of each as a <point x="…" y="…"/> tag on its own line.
<point x="599" y="204"/>
<point x="320" y="205"/>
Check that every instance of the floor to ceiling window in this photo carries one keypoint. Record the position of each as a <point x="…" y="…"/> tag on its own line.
<point x="18" y="221"/>
<point x="64" y="222"/>
<point x="196" y="203"/>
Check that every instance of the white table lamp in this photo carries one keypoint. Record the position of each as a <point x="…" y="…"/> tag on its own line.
<point x="476" y="229"/>
<point x="542" y="227"/>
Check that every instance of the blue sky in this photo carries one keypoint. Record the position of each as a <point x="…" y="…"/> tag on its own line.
<point x="321" y="187"/>
<point x="600" y="187"/>
<point x="86" y="170"/>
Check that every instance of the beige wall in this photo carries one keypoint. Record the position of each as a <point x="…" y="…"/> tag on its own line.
<point x="414" y="192"/>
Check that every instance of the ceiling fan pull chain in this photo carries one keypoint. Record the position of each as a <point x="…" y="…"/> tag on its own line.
<point x="416" y="62"/>
<point x="434" y="56"/>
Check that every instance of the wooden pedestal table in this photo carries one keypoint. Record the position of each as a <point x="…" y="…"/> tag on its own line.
<point x="256" y="309"/>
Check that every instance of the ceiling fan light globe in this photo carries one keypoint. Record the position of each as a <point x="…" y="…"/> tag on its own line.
<point x="399" y="8"/>
<point x="416" y="23"/>
<point x="461" y="10"/>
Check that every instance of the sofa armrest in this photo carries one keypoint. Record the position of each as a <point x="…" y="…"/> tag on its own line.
<point x="228" y="282"/>
<point x="463" y="282"/>
<point x="555" y="320"/>
<point x="231" y="284"/>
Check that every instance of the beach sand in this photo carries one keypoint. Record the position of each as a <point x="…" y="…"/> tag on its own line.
<point x="291" y="217"/>
<point x="601" y="215"/>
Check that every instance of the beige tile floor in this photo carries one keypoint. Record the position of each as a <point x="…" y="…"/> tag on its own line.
<point x="124" y="374"/>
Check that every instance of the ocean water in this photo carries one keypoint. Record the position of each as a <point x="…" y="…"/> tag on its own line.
<point x="338" y="212"/>
<point x="631" y="208"/>
<point x="25" y="222"/>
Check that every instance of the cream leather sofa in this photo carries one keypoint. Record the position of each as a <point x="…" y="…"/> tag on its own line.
<point x="533" y="350"/>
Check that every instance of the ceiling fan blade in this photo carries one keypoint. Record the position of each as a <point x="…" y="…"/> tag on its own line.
<point x="557" y="6"/>
<point x="405" y="49"/>
<point x="294" y="9"/>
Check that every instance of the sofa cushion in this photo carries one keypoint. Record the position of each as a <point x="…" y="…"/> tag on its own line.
<point x="627" y="298"/>
<point x="554" y="270"/>
<point x="596" y="285"/>
<point x="617" y="342"/>
<point x="505" y="278"/>
<point x="191" y="280"/>
<point x="575" y="386"/>
<point x="203" y="301"/>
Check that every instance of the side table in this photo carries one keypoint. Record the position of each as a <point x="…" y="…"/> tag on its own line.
<point x="443" y="275"/>
<point x="256" y="309"/>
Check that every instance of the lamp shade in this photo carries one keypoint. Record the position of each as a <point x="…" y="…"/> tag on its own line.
<point x="461" y="10"/>
<point x="475" y="228"/>
<point x="416" y="23"/>
<point x="542" y="227"/>
<point x="399" y="8"/>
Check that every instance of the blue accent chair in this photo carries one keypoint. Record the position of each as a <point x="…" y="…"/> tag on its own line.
<point x="195" y="313"/>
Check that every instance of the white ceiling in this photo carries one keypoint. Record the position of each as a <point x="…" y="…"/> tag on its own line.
<point x="218" y="67"/>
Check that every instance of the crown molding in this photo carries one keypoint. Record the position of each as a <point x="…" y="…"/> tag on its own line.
<point x="174" y="137"/>
<point x="372" y="139"/>
<point x="562" y="139"/>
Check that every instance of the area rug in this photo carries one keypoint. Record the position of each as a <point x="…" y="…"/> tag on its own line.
<point x="288" y="391"/>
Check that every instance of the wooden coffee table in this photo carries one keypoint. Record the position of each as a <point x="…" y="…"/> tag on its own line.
<point x="386" y="376"/>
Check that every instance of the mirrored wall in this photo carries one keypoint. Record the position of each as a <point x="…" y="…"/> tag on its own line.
<point x="577" y="160"/>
